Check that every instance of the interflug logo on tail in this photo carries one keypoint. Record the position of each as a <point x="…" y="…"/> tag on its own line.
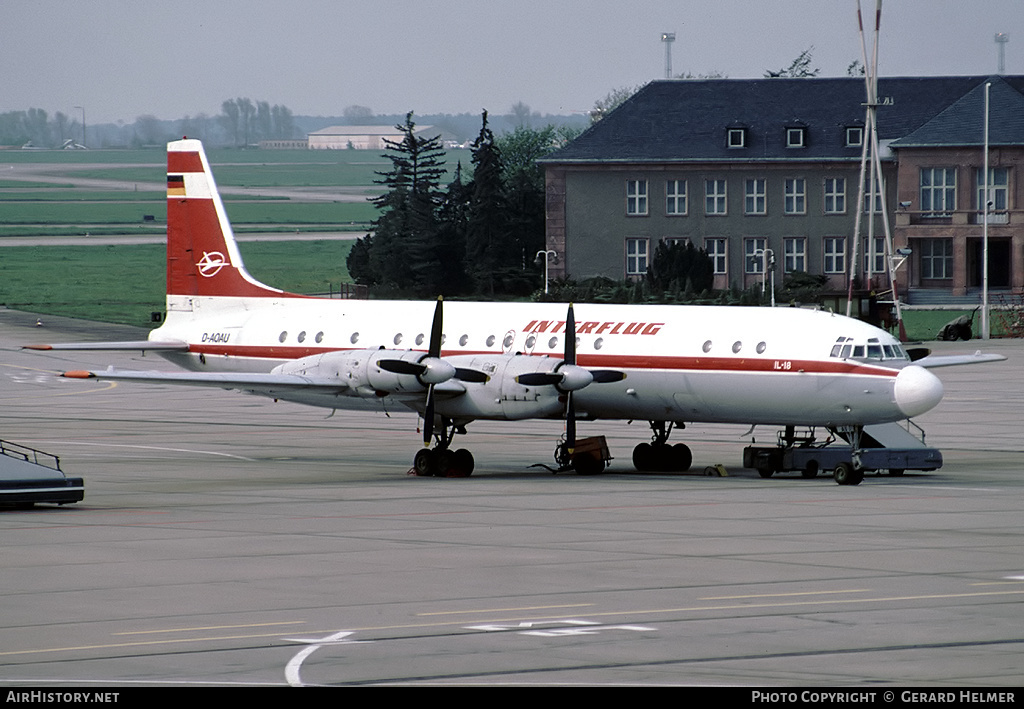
<point x="211" y="263"/>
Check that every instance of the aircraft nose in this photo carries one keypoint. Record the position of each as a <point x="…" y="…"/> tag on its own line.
<point x="916" y="390"/>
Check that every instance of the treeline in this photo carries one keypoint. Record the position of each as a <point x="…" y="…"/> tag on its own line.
<point x="35" y="128"/>
<point x="482" y="233"/>
<point x="247" y="121"/>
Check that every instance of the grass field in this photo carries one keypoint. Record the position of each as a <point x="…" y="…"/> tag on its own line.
<point x="124" y="284"/>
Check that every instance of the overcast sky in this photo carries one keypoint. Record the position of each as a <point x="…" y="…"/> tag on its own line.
<point x="123" y="58"/>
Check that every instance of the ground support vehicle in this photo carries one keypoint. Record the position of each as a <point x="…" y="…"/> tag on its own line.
<point x="889" y="447"/>
<point x="28" y="476"/>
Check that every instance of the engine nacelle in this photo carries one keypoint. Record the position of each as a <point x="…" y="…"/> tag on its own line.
<point x="501" y="397"/>
<point x="358" y="370"/>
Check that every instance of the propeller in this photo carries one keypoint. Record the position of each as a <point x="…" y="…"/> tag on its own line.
<point x="431" y="369"/>
<point x="569" y="377"/>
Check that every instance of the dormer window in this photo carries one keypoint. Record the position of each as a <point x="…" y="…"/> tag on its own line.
<point x="796" y="137"/>
<point x="854" y="136"/>
<point x="736" y="137"/>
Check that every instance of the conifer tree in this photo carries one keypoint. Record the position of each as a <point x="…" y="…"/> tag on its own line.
<point x="486" y="236"/>
<point x="403" y="253"/>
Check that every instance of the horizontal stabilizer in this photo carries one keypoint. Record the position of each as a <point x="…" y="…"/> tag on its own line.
<point x="128" y="346"/>
<point x="933" y="361"/>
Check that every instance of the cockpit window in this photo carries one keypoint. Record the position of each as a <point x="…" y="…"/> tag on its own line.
<point x="846" y="347"/>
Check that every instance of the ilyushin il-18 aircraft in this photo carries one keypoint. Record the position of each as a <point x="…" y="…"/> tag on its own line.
<point x="457" y="362"/>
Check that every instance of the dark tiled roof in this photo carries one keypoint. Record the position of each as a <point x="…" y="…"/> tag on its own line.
<point x="674" y="120"/>
<point x="962" y="123"/>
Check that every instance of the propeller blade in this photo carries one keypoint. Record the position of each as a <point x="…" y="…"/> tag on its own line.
<point x="570" y="337"/>
<point x="539" y="379"/>
<point x="570" y="424"/>
<point x="471" y="375"/>
<point x="604" y="376"/>
<point x="435" y="331"/>
<point x="398" y="366"/>
<point x="570" y="360"/>
<point x="428" y="417"/>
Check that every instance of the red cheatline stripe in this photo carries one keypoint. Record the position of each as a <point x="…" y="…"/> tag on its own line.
<point x="628" y="362"/>
<point x="184" y="162"/>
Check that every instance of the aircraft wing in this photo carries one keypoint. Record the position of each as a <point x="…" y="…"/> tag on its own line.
<point x="269" y="384"/>
<point x="222" y="380"/>
<point x="126" y="346"/>
<point x="933" y="360"/>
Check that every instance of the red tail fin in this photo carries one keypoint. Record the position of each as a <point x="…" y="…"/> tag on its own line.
<point x="202" y="256"/>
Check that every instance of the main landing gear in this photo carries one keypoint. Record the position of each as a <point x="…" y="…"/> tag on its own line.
<point x="658" y="455"/>
<point x="441" y="461"/>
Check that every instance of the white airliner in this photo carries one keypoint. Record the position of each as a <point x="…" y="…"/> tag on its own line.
<point x="668" y="365"/>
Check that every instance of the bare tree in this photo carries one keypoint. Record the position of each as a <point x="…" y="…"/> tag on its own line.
<point x="799" y="69"/>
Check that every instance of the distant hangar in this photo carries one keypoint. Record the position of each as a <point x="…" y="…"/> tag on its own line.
<point x="359" y="137"/>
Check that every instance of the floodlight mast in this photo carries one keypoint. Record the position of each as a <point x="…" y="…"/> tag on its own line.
<point x="1001" y="39"/>
<point x="667" y="39"/>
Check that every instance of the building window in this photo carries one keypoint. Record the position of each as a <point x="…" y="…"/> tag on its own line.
<point x="998" y="184"/>
<point x="936" y="258"/>
<point x="938" y="190"/>
<point x="715" y="197"/>
<point x="796" y="137"/>
<point x="716" y="249"/>
<point x="835" y="195"/>
<point x="876" y="257"/>
<point x="736" y="137"/>
<point x="636" y="197"/>
<point x="637" y="250"/>
<point x="675" y="197"/>
<point x="868" y="194"/>
<point x="854" y="137"/>
<point x="753" y="252"/>
<point x="834" y="252"/>
<point x="794" y="254"/>
<point x="676" y="241"/>
<point x="796" y="195"/>
<point x="755" y="202"/>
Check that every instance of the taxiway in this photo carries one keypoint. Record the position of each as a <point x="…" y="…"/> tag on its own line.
<point x="231" y="540"/>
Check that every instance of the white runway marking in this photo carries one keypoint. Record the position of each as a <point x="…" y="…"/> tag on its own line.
<point x="292" y="669"/>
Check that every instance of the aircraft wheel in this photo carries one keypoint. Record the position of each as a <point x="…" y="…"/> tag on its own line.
<point x="425" y="462"/>
<point x="644" y="457"/>
<point x="463" y="463"/>
<point x="811" y="471"/>
<point x="681" y="457"/>
<point x="846" y="474"/>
